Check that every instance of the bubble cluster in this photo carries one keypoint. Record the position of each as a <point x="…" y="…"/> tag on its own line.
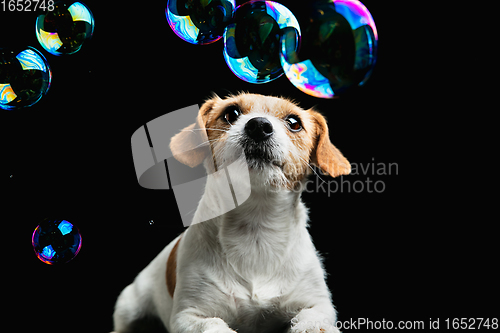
<point x="338" y="50"/>
<point x="63" y="30"/>
<point x="56" y="241"/>
<point x="199" y="21"/>
<point x="25" y="77"/>
<point x="252" y="43"/>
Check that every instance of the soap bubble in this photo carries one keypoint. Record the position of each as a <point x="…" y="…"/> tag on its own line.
<point x="64" y="30"/>
<point x="56" y="241"/>
<point x="24" y="77"/>
<point x="338" y="50"/>
<point x="199" y="21"/>
<point x="252" y="43"/>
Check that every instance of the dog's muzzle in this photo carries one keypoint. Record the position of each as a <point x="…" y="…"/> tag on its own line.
<point x="258" y="143"/>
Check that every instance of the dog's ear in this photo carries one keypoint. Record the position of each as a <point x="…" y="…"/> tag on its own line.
<point x="325" y="154"/>
<point x="190" y="146"/>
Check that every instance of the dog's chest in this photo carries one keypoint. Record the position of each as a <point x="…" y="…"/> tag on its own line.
<point x="259" y="309"/>
<point x="259" y="316"/>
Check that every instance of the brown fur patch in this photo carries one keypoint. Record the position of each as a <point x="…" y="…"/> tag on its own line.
<point x="171" y="274"/>
<point x="327" y="156"/>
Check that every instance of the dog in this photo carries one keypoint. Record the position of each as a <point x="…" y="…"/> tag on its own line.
<point x="253" y="269"/>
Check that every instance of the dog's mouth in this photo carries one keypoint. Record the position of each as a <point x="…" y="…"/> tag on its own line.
<point x="259" y="163"/>
<point x="261" y="156"/>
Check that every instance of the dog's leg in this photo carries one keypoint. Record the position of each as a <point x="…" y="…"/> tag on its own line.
<point x="146" y="299"/>
<point x="128" y="309"/>
<point x="190" y="321"/>
<point x="318" y="319"/>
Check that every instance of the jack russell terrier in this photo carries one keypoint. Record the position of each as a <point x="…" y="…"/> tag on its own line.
<point x="253" y="269"/>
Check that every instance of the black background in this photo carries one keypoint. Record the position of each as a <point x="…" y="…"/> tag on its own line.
<point x="396" y="255"/>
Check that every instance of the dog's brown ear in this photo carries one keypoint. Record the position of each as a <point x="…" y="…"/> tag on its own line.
<point x="326" y="155"/>
<point x="190" y="146"/>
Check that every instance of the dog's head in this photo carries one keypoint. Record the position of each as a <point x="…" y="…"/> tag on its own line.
<point x="280" y="140"/>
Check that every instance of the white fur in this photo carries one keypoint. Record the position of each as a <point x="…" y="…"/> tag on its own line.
<point x="251" y="270"/>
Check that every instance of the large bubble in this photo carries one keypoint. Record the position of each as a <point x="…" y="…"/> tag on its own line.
<point x="338" y="50"/>
<point x="63" y="30"/>
<point x="252" y="42"/>
<point x="25" y="77"/>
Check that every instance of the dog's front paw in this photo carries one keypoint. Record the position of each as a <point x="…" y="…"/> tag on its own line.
<point x="308" y="321"/>
<point x="313" y="327"/>
<point x="216" y="325"/>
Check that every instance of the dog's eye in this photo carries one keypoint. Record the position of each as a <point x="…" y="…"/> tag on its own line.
<point x="293" y="123"/>
<point x="231" y="114"/>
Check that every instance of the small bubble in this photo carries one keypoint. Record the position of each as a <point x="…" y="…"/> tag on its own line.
<point x="199" y="22"/>
<point x="64" y="29"/>
<point x="56" y="241"/>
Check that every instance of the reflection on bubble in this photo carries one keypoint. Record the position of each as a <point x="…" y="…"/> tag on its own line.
<point x="64" y="30"/>
<point x="198" y="21"/>
<point x="25" y="77"/>
<point x="338" y="52"/>
<point x="65" y="227"/>
<point x="48" y="252"/>
<point x="252" y="41"/>
<point x="56" y="241"/>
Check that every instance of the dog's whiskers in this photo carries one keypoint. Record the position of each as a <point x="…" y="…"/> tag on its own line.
<point x="203" y="129"/>
<point x="206" y="143"/>
<point x="309" y="165"/>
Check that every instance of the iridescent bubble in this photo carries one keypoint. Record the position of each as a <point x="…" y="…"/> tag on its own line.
<point x="199" y="21"/>
<point x="252" y="43"/>
<point x="56" y="241"/>
<point x="338" y="50"/>
<point x="24" y="77"/>
<point x="64" y="30"/>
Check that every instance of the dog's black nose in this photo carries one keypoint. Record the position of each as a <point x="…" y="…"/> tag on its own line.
<point x="259" y="128"/>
